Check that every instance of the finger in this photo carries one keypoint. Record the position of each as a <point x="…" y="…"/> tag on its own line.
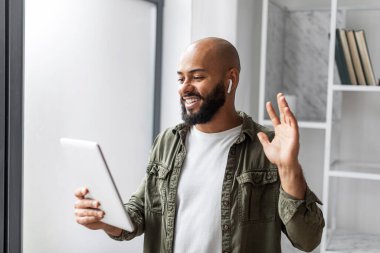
<point x="81" y="192"/>
<point x="291" y="118"/>
<point x="89" y="212"/>
<point x="87" y="220"/>
<point x="263" y="138"/>
<point x="87" y="203"/>
<point x="272" y="114"/>
<point x="282" y="104"/>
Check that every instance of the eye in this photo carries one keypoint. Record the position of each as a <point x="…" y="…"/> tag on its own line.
<point x="198" y="78"/>
<point x="180" y="80"/>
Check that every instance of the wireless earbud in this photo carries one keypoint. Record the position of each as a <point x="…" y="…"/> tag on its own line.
<point x="229" y="86"/>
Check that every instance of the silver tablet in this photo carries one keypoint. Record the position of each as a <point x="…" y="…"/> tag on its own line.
<point x="87" y="159"/>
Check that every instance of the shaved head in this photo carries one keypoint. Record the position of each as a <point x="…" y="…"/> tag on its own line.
<point x="216" y="52"/>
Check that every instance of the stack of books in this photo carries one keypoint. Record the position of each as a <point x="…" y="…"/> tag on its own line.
<point x="352" y="58"/>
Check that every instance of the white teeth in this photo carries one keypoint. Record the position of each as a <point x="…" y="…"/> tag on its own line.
<point x="191" y="100"/>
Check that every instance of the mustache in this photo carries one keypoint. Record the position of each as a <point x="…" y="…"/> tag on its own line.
<point x="191" y="94"/>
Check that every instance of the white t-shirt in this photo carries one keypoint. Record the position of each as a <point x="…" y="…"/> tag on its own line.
<point x="198" y="222"/>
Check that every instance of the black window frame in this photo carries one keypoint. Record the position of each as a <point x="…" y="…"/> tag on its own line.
<point x="11" y="94"/>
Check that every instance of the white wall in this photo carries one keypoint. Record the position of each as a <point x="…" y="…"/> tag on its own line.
<point x="214" y="18"/>
<point x="248" y="30"/>
<point x="89" y="72"/>
<point x="176" y="37"/>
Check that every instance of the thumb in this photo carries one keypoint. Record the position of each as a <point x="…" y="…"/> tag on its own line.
<point x="263" y="138"/>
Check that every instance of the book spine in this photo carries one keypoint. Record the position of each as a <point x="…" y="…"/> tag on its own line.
<point x="347" y="56"/>
<point x="340" y="61"/>
<point x="365" y="58"/>
<point x="355" y="57"/>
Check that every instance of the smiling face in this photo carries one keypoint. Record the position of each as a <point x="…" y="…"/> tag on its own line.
<point x="202" y="79"/>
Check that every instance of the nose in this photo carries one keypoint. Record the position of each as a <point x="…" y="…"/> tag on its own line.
<point x="185" y="87"/>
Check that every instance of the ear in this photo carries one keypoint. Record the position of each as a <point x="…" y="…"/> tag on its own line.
<point x="233" y="79"/>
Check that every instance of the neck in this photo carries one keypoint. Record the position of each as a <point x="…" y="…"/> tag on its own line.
<point x="221" y="121"/>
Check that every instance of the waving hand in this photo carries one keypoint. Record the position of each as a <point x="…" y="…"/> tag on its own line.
<point x="284" y="148"/>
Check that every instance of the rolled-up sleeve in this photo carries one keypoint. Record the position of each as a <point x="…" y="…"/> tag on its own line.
<point x="303" y="219"/>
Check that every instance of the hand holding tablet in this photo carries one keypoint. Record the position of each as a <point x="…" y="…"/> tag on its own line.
<point x="99" y="205"/>
<point x="89" y="214"/>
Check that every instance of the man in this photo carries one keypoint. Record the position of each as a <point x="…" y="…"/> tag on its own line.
<point x="219" y="182"/>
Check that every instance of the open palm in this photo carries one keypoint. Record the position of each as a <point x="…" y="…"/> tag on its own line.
<point x="283" y="149"/>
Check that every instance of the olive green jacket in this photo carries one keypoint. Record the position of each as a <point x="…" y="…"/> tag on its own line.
<point x="254" y="207"/>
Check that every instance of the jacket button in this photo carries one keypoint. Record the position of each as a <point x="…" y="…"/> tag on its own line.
<point x="226" y="227"/>
<point x="229" y="176"/>
<point x="226" y="203"/>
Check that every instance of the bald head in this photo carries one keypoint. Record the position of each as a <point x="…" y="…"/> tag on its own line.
<point x="216" y="52"/>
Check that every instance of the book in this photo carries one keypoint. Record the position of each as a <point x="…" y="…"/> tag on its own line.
<point x="340" y="61"/>
<point x="364" y="57"/>
<point x="355" y="57"/>
<point x="343" y="59"/>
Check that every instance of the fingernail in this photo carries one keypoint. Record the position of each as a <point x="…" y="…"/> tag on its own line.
<point x="95" y="203"/>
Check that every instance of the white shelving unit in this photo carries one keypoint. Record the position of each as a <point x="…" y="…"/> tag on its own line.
<point x="336" y="240"/>
<point x="334" y="167"/>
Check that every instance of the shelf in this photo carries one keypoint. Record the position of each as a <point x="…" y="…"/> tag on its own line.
<point x="359" y="5"/>
<point x="358" y="170"/>
<point x="301" y="5"/>
<point x="321" y="5"/>
<point x="342" y="87"/>
<point x="302" y="124"/>
<point x="350" y="242"/>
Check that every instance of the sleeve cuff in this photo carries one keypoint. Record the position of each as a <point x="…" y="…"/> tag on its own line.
<point x="126" y="235"/>
<point x="288" y="205"/>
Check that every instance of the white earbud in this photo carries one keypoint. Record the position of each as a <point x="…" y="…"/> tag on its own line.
<point x="229" y="86"/>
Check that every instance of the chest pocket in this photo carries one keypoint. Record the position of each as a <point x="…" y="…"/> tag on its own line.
<point x="156" y="187"/>
<point x="258" y="196"/>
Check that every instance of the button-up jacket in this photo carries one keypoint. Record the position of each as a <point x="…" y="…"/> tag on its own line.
<point x="254" y="208"/>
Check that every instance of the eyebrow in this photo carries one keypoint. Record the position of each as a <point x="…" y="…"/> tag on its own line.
<point x="193" y="70"/>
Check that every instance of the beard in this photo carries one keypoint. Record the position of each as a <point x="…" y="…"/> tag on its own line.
<point x="211" y="104"/>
